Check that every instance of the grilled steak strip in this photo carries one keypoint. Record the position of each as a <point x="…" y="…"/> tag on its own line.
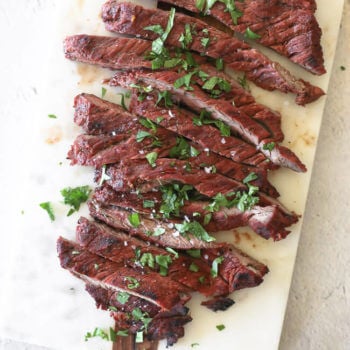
<point x="123" y="52"/>
<point x="120" y="247"/>
<point x="170" y="322"/>
<point x="198" y="100"/>
<point x="290" y="30"/>
<point x="180" y="121"/>
<point x="97" y="150"/>
<point x="147" y="230"/>
<point x="117" y="277"/>
<point x="97" y="116"/>
<point x="268" y="221"/>
<point x="131" y="19"/>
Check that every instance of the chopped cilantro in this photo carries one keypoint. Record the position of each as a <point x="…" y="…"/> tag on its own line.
<point x="158" y="231"/>
<point x="186" y="37"/>
<point x="215" y="266"/>
<point x="163" y="261"/>
<point x="147" y="123"/>
<point x="219" y="63"/>
<point x="48" y="208"/>
<point x="243" y="82"/>
<point x="52" y="116"/>
<point x="220" y="327"/>
<point x="147" y="203"/>
<point x="122" y="333"/>
<point x="194" y="344"/>
<point x="141" y="135"/>
<point x="185" y="81"/>
<point x="342" y="68"/>
<point x="196" y="229"/>
<point x="193" y="267"/>
<point x="183" y="150"/>
<point x="195" y="253"/>
<point x="100" y="333"/>
<point x="269" y="146"/>
<point x="205" y="42"/>
<point x="134" y="220"/>
<point x="166" y="96"/>
<point x="147" y="259"/>
<point x="123" y="297"/>
<point x="251" y="35"/>
<point x="134" y="283"/>
<point x="75" y="197"/>
<point x="172" y="251"/>
<point x="205" y="119"/>
<point x="251" y="177"/>
<point x="103" y="92"/>
<point x="122" y="100"/>
<point x="151" y="158"/>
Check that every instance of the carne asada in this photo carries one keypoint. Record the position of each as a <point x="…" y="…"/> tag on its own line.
<point x="197" y="99"/>
<point x="120" y="247"/>
<point x="131" y="19"/>
<point x="288" y="27"/>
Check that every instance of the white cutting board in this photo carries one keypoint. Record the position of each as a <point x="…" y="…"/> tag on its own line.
<point x="47" y="306"/>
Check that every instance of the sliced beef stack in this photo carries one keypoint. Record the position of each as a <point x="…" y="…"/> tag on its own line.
<point x="288" y="27"/>
<point x="189" y="156"/>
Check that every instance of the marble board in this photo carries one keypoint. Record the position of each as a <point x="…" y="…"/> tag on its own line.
<point x="45" y="305"/>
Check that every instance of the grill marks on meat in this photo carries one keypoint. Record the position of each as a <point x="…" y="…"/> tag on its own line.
<point x="269" y="220"/>
<point x="101" y="149"/>
<point x="118" y="246"/>
<point x="124" y="53"/>
<point x="197" y="100"/>
<point x="289" y="28"/>
<point x="117" y="277"/>
<point x="128" y="18"/>
<point x="118" y="218"/>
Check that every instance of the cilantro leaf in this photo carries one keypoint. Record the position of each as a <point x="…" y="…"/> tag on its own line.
<point x="215" y="266"/>
<point x="123" y="297"/>
<point x="48" y="208"/>
<point x="75" y="197"/>
<point x="151" y="158"/>
<point x="251" y="35"/>
<point x="134" y="220"/>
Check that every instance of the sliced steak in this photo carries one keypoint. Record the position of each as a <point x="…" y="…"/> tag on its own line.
<point x="162" y="324"/>
<point x="218" y="304"/>
<point x="131" y="19"/>
<point x="289" y="28"/>
<point x="150" y="229"/>
<point x="120" y="247"/>
<point x="92" y="49"/>
<point x="198" y="100"/>
<point x="98" y="271"/>
<point x="269" y="221"/>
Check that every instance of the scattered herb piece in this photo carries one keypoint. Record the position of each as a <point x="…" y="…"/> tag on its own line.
<point x="158" y="231"/>
<point x="123" y="297"/>
<point x="193" y="267"/>
<point x="151" y="158"/>
<point x="215" y="266"/>
<point x="251" y="177"/>
<point x="207" y="218"/>
<point x="342" y="68"/>
<point x="141" y="135"/>
<point x="186" y="37"/>
<point x="122" y="100"/>
<point x="147" y="259"/>
<point x="166" y="96"/>
<point x="139" y="337"/>
<point x="219" y="63"/>
<point x="134" y="283"/>
<point x="185" y="81"/>
<point x="205" y="42"/>
<point x="194" y="344"/>
<point x="196" y="229"/>
<point x="112" y="308"/>
<point x="183" y="150"/>
<point x="147" y="123"/>
<point x="134" y="220"/>
<point x="99" y="332"/>
<point x="220" y="327"/>
<point x="75" y="197"/>
<point x="251" y="35"/>
<point x="269" y="146"/>
<point x="163" y="261"/>
<point x="243" y="82"/>
<point x="195" y="253"/>
<point x="48" y="208"/>
<point x="52" y="116"/>
<point x="103" y="92"/>
<point x="172" y="251"/>
<point x="122" y="333"/>
<point x="205" y="119"/>
<point x="147" y="203"/>
<point x="201" y="279"/>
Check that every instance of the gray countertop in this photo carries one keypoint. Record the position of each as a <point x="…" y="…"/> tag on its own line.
<point x="318" y="313"/>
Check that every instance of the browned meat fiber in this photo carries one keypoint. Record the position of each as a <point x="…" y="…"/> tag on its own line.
<point x="289" y="28"/>
<point x="198" y="100"/>
<point x="97" y="116"/>
<point x="120" y="247"/>
<point x="131" y="19"/>
<point x="268" y="220"/>
<point x="98" y="150"/>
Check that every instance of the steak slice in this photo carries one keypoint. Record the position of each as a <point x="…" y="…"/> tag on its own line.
<point x="97" y="116"/>
<point x="98" y="271"/>
<point x="163" y="324"/>
<point x="269" y="221"/>
<point x="120" y="247"/>
<point x="131" y="19"/>
<point x="289" y="28"/>
<point x="92" y="49"/>
<point x="222" y="110"/>
<point x="150" y="229"/>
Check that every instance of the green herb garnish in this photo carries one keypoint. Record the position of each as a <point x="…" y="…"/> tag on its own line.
<point x="52" y="116"/>
<point x="269" y="146"/>
<point x="215" y="266"/>
<point x="193" y="267"/>
<point x="220" y="327"/>
<point x="195" y="253"/>
<point x="75" y="197"/>
<point x="134" y="283"/>
<point x="205" y="119"/>
<point x="151" y="158"/>
<point x="103" y="92"/>
<point x="251" y="35"/>
<point x="134" y="220"/>
<point x="48" y="208"/>
<point x="123" y="297"/>
<point x="196" y="229"/>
